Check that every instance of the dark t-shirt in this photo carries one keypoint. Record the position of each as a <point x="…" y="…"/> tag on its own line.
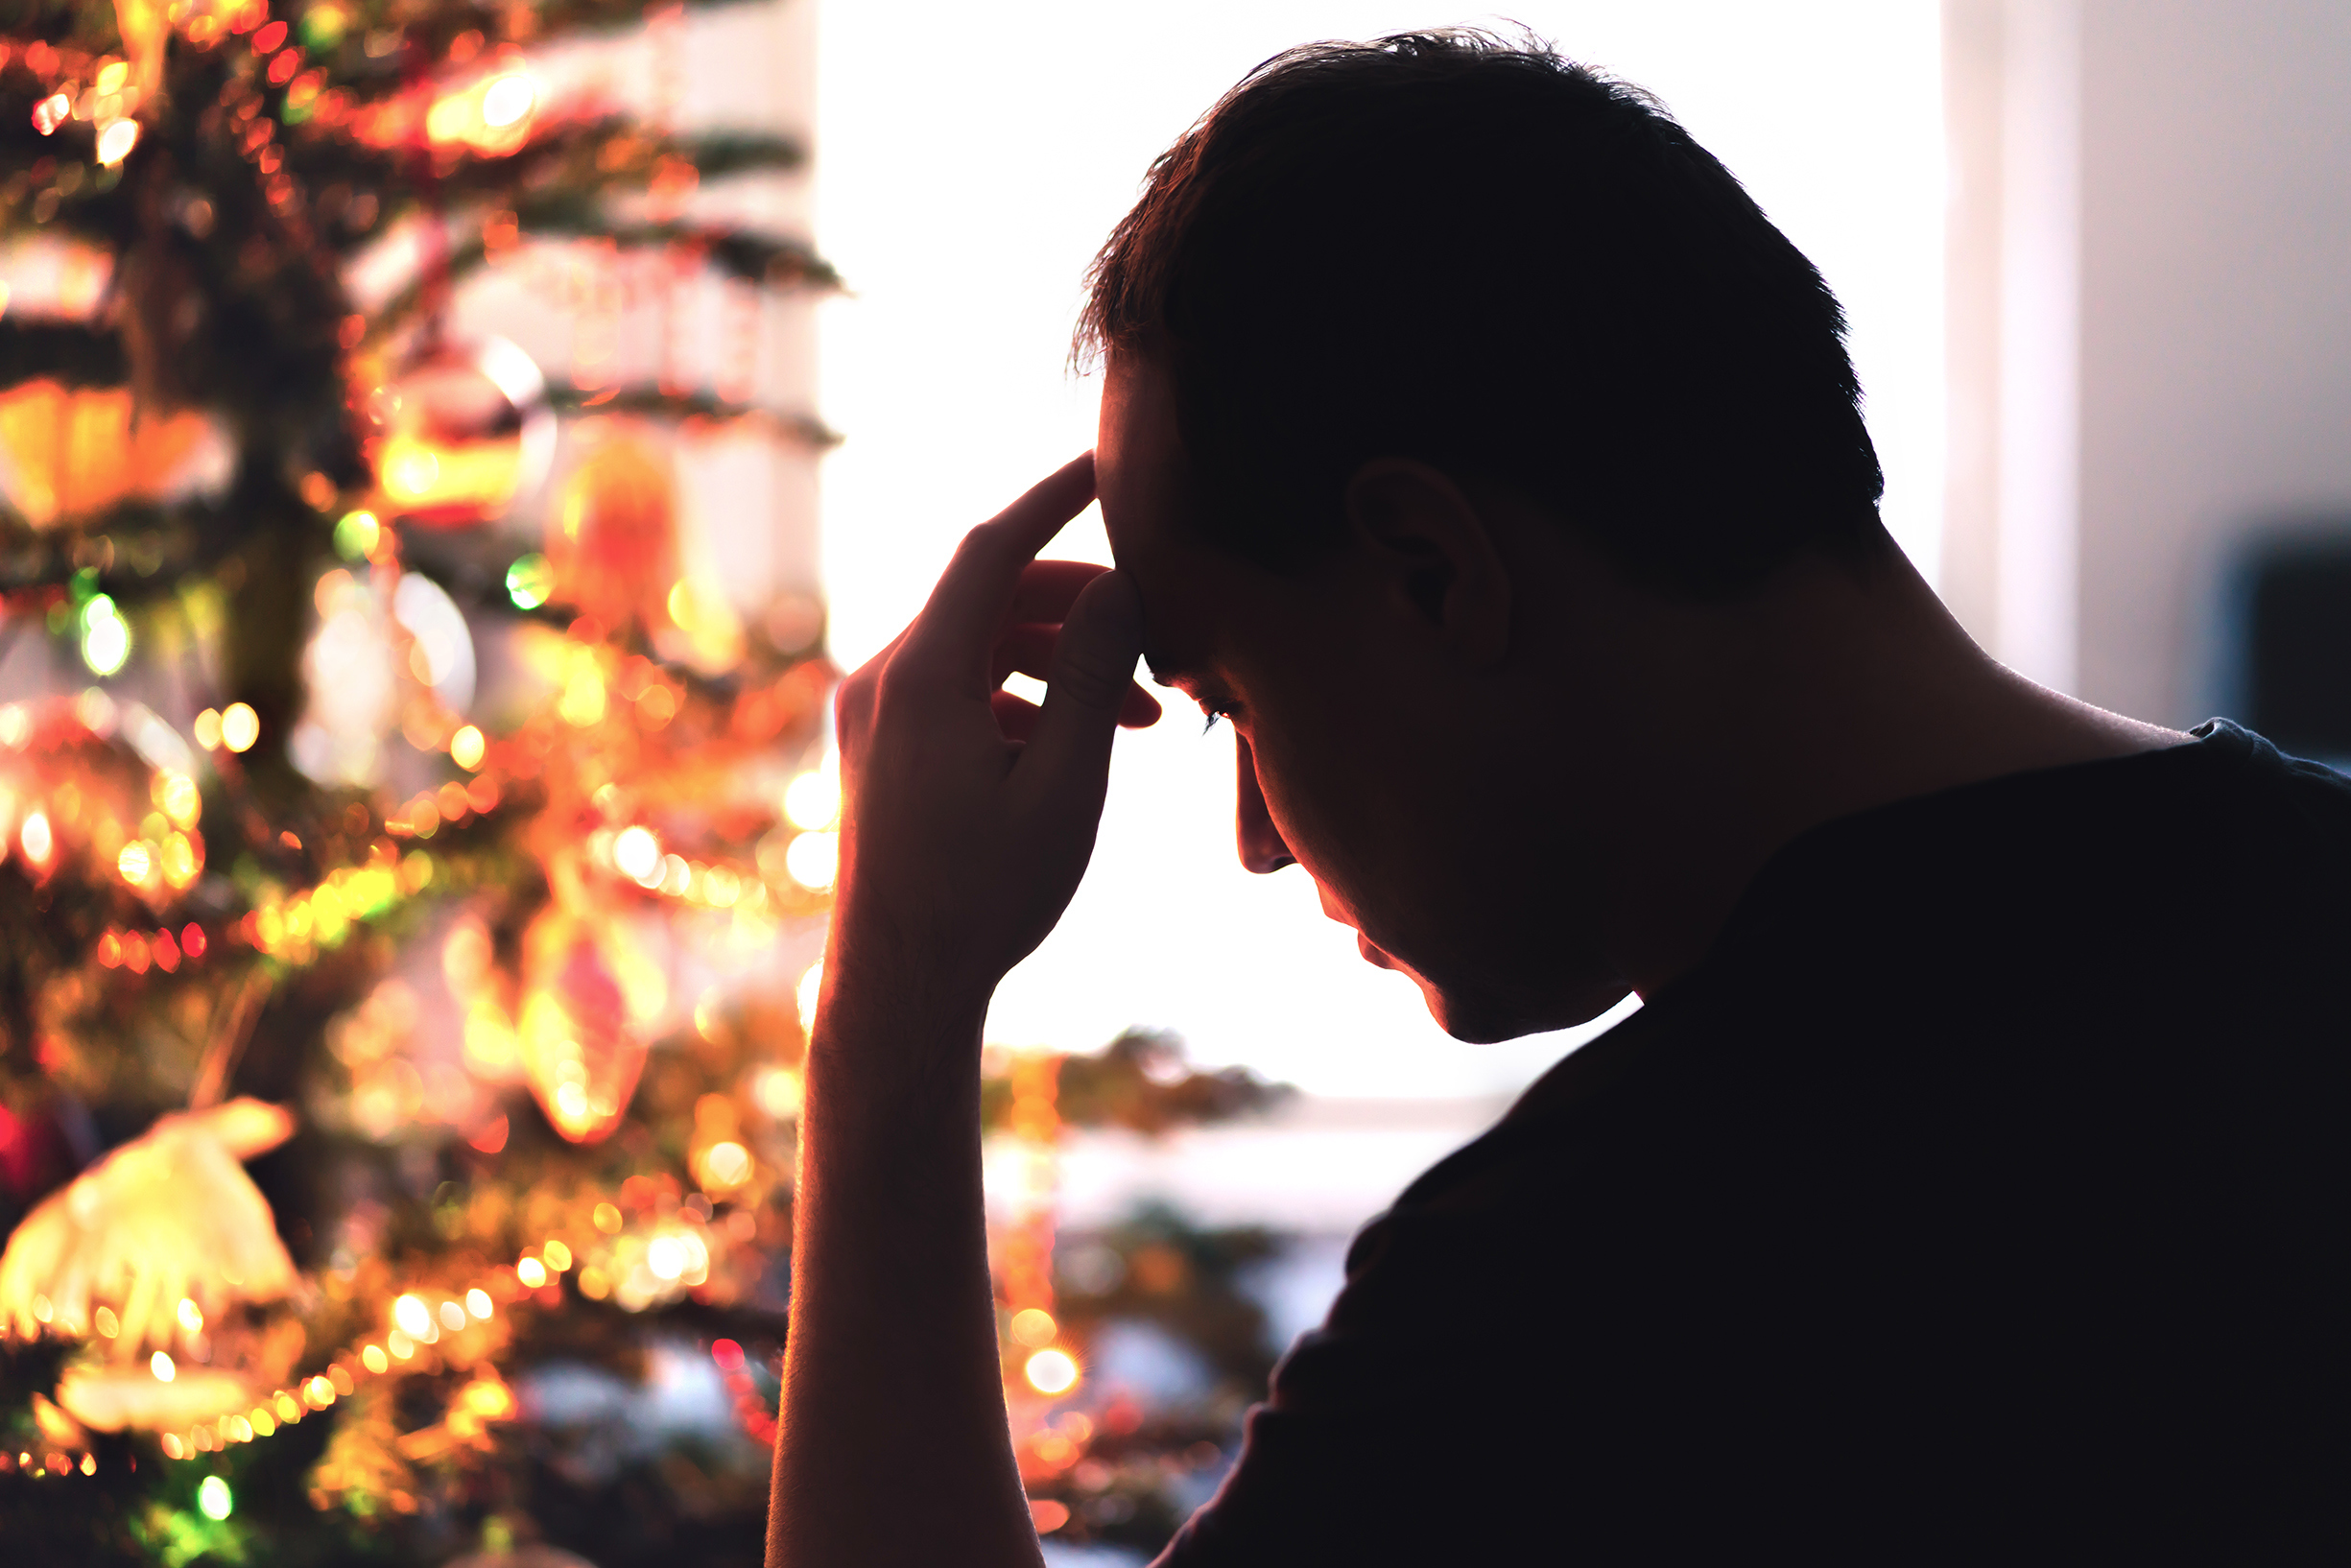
<point x="1981" y="1197"/>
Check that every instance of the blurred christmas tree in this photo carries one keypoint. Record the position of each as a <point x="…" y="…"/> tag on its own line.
<point x="388" y="1175"/>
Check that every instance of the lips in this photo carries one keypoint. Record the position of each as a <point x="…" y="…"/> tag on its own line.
<point x="1371" y="952"/>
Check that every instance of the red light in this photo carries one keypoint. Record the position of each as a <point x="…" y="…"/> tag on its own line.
<point x="192" y="941"/>
<point x="268" y="37"/>
<point x="727" y="1354"/>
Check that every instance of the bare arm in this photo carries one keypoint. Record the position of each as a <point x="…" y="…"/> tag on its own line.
<point x="968" y="819"/>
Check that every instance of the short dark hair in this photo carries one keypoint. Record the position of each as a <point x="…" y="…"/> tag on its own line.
<point x="1470" y="251"/>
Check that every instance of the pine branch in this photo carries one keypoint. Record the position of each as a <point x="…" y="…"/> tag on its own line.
<point x="805" y="428"/>
<point x="72" y="353"/>
<point x="773" y="263"/>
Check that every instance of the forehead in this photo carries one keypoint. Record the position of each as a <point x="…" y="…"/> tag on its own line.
<point x="1187" y="585"/>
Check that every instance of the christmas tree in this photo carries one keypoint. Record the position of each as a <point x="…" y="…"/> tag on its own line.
<point x="394" y="1164"/>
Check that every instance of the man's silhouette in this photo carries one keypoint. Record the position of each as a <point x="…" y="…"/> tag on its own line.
<point x="1970" y="1185"/>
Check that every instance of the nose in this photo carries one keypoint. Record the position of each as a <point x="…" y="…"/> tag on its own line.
<point x="1261" y="850"/>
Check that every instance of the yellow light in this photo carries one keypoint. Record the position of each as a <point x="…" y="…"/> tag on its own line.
<point x="608" y="1218"/>
<point x="207" y="728"/>
<point x="137" y="863"/>
<point x="320" y="1393"/>
<point x="452" y="1315"/>
<point x="813" y="800"/>
<point x="115" y="141"/>
<point x="727" y="1166"/>
<point x="287" y="1410"/>
<point x="107" y="1324"/>
<point x="1052" y="1371"/>
<point x="400" y="1344"/>
<point x="176" y="795"/>
<point x="35" y="837"/>
<point x="1035" y="1327"/>
<point x="179" y="860"/>
<point x="412" y="1318"/>
<point x="532" y="1272"/>
<point x="558" y="1256"/>
<point x="477" y="1302"/>
<point x="264" y="1423"/>
<point x="240" y="727"/>
<point x="465" y="748"/>
<point x="507" y="101"/>
<point x="161" y="1365"/>
<point x="191" y="1317"/>
<point x="374" y="1360"/>
<point x="666" y="1257"/>
<point x="637" y="853"/>
<point x="813" y="859"/>
<point x="778" y="1091"/>
<point x="487" y="1398"/>
<point x="583" y="702"/>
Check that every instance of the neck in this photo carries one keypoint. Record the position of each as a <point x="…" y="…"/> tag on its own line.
<point x="1829" y="690"/>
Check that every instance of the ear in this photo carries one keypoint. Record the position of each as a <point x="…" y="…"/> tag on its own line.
<point x="1428" y="543"/>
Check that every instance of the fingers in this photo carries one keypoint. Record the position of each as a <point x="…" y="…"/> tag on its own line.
<point x="1093" y="664"/>
<point x="1047" y="588"/>
<point x="1015" y="716"/>
<point x="958" y="624"/>
<point x="1029" y="648"/>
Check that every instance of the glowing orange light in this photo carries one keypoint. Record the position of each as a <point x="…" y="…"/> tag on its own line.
<point x="1052" y="1371"/>
<point x="33" y="835"/>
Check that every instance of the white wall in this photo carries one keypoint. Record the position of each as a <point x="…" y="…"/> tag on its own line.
<point x="2151" y="318"/>
<point x="2216" y="312"/>
<point x="970" y="160"/>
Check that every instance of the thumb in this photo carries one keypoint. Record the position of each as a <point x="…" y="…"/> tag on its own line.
<point x="1093" y="662"/>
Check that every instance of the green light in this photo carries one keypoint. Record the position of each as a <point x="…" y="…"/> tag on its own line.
<point x="106" y="636"/>
<point x="356" y="534"/>
<point x="212" y="1497"/>
<point x="529" y="582"/>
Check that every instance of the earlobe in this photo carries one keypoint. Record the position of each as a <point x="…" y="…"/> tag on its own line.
<point x="1432" y="545"/>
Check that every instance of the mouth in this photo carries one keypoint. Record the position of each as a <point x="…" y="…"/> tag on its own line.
<point x="1371" y="952"/>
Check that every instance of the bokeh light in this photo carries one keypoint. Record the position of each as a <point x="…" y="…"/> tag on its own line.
<point x="106" y="636"/>
<point x="1052" y="1371"/>
<point x="240" y="727"/>
<point x="812" y="799"/>
<point x="813" y="859"/>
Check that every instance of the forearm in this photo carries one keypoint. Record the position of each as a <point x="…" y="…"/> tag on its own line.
<point x="894" y="1447"/>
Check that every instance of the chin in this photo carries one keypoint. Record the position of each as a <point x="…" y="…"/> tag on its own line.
<point x="1482" y="1018"/>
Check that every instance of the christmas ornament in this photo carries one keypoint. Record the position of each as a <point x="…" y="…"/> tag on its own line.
<point x="167" y="1219"/>
<point x="466" y="430"/>
<point x="71" y="452"/>
<point x="586" y="1000"/>
<point x="613" y="543"/>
